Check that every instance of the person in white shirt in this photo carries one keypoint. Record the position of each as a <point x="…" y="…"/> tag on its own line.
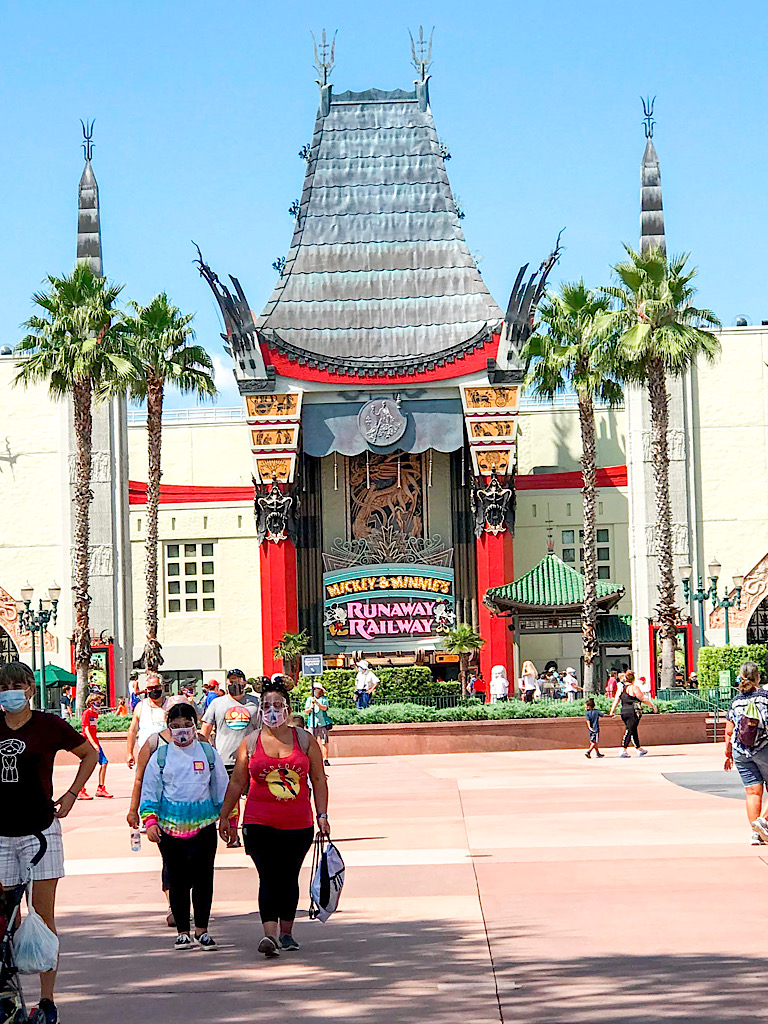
<point x="529" y="682"/>
<point x="366" y="682"/>
<point x="148" y="718"/>
<point x="499" y="684"/>
<point x="572" y="687"/>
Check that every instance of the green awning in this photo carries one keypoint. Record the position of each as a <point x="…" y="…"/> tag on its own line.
<point x="56" y="676"/>
<point x="550" y="584"/>
<point x="614" y="629"/>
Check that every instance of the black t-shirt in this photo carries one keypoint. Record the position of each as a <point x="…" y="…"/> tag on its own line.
<point x="26" y="771"/>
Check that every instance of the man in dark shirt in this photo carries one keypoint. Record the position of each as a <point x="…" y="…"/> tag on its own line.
<point x="29" y="742"/>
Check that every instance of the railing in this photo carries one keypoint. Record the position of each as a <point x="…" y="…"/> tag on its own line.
<point x="567" y="400"/>
<point x="225" y="414"/>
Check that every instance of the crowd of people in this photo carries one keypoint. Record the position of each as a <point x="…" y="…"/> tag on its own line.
<point x="195" y="764"/>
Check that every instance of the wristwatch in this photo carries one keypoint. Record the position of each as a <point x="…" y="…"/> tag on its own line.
<point x="322" y="816"/>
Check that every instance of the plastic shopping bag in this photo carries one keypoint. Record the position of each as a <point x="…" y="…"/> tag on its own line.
<point x="327" y="879"/>
<point x="35" y="946"/>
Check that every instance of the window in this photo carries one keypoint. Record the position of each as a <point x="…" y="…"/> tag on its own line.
<point x="192" y="564"/>
<point x="572" y="550"/>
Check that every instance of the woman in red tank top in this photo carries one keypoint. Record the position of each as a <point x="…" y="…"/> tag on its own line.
<point x="276" y="767"/>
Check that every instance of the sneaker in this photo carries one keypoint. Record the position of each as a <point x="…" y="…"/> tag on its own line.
<point x="205" y="941"/>
<point x="101" y="791"/>
<point x="82" y="795"/>
<point x="44" y="1013"/>
<point x="268" y="947"/>
<point x="756" y="840"/>
<point x="599" y="755"/>
<point x="625" y="754"/>
<point x="327" y="763"/>
<point x="588" y="754"/>
<point x="234" y="843"/>
<point x="183" y="942"/>
<point x="642" y="752"/>
<point x="760" y="825"/>
<point x="288" y="942"/>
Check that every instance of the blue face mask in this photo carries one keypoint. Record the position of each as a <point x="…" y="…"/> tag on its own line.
<point x="13" y="700"/>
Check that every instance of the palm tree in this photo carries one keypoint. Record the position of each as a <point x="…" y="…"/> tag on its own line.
<point x="290" y="648"/>
<point x="464" y="641"/>
<point x="76" y="343"/>
<point x="162" y="355"/>
<point x="663" y="334"/>
<point x="573" y="353"/>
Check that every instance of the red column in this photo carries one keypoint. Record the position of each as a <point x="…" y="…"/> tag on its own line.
<point x="279" y="600"/>
<point x="494" y="568"/>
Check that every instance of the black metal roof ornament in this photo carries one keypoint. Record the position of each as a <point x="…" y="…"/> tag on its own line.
<point x="493" y="507"/>
<point x="421" y="51"/>
<point x="274" y="513"/>
<point x="241" y="338"/>
<point x="648" y="122"/>
<point x="88" y="138"/>
<point x="325" y="55"/>
<point x="521" y="310"/>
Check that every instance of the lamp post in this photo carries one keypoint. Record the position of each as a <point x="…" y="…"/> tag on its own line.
<point x="700" y="595"/>
<point x="726" y="602"/>
<point x="34" y="621"/>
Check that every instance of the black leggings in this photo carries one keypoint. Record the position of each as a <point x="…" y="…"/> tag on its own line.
<point x="278" y="854"/>
<point x="188" y="866"/>
<point x="631" y="722"/>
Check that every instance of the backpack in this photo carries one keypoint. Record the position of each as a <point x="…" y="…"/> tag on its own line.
<point x="749" y="725"/>
<point x="327" y="879"/>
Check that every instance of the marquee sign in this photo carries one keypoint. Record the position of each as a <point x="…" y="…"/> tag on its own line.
<point x="394" y="606"/>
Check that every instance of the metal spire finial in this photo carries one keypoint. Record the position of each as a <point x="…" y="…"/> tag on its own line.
<point x="324" y="56"/>
<point x="88" y="138"/>
<point x="649" y="123"/>
<point x="421" y="51"/>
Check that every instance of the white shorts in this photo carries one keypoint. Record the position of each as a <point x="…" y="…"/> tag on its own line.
<point x="16" y="852"/>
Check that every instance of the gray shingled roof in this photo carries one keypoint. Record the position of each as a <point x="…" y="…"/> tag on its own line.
<point x="378" y="276"/>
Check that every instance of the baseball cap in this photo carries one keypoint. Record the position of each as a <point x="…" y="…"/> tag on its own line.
<point x="236" y="672"/>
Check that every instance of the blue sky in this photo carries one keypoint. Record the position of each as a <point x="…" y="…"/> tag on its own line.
<point x="201" y="109"/>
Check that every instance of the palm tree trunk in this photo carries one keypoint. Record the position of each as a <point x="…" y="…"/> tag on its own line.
<point x="152" y="656"/>
<point x="668" y="611"/>
<point x="83" y="423"/>
<point x="463" y="666"/>
<point x="589" y="609"/>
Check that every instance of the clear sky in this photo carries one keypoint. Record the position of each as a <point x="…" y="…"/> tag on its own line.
<point x="201" y="109"/>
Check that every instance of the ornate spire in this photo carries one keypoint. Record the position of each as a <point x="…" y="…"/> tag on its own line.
<point x="88" y="220"/>
<point x="651" y="208"/>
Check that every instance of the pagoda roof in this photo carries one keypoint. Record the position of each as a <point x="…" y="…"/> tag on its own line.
<point x="551" y="584"/>
<point x="379" y="279"/>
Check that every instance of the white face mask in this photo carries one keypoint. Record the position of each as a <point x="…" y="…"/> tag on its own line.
<point x="183" y="737"/>
<point x="275" y="717"/>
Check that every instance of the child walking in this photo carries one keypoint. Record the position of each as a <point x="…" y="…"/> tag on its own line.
<point x="181" y="795"/>
<point x="593" y="717"/>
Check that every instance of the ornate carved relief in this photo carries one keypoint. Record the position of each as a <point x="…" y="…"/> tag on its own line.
<point x="101" y="467"/>
<point x="755" y="588"/>
<point x="675" y="444"/>
<point x="386" y="490"/>
<point x="679" y="540"/>
<point x="100" y="560"/>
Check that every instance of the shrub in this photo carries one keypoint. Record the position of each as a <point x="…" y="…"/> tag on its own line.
<point x="714" y="660"/>
<point x="397" y="685"/>
<point x="111" y="722"/>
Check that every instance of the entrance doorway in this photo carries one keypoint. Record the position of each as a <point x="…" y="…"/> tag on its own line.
<point x="8" y="650"/>
<point x="757" y="630"/>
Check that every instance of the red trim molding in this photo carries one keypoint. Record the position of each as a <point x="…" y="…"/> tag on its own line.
<point x="612" y="476"/>
<point x="180" y="494"/>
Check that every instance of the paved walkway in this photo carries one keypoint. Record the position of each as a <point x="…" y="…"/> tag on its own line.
<point x="511" y="886"/>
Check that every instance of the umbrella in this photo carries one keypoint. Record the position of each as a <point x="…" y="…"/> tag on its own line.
<point x="56" y="676"/>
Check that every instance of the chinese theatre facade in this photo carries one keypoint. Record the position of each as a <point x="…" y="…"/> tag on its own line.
<point x="381" y="383"/>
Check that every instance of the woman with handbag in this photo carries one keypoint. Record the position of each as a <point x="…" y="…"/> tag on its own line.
<point x="280" y="762"/>
<point x="631" y="698"/>
<point x="746" y="745"/>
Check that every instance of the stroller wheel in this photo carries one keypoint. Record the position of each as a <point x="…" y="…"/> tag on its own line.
<point x="11" y="1012"/>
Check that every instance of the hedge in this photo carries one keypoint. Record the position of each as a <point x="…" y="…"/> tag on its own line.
<point x="397" y="685"/>
<point x="714" y="660"/>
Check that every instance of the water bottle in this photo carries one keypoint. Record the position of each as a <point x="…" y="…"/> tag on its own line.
<point x="135" y="840"/>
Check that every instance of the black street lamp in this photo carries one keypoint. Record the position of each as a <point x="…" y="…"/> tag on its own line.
<point x="726" y="602"/>
<point x="31" y="621"/>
